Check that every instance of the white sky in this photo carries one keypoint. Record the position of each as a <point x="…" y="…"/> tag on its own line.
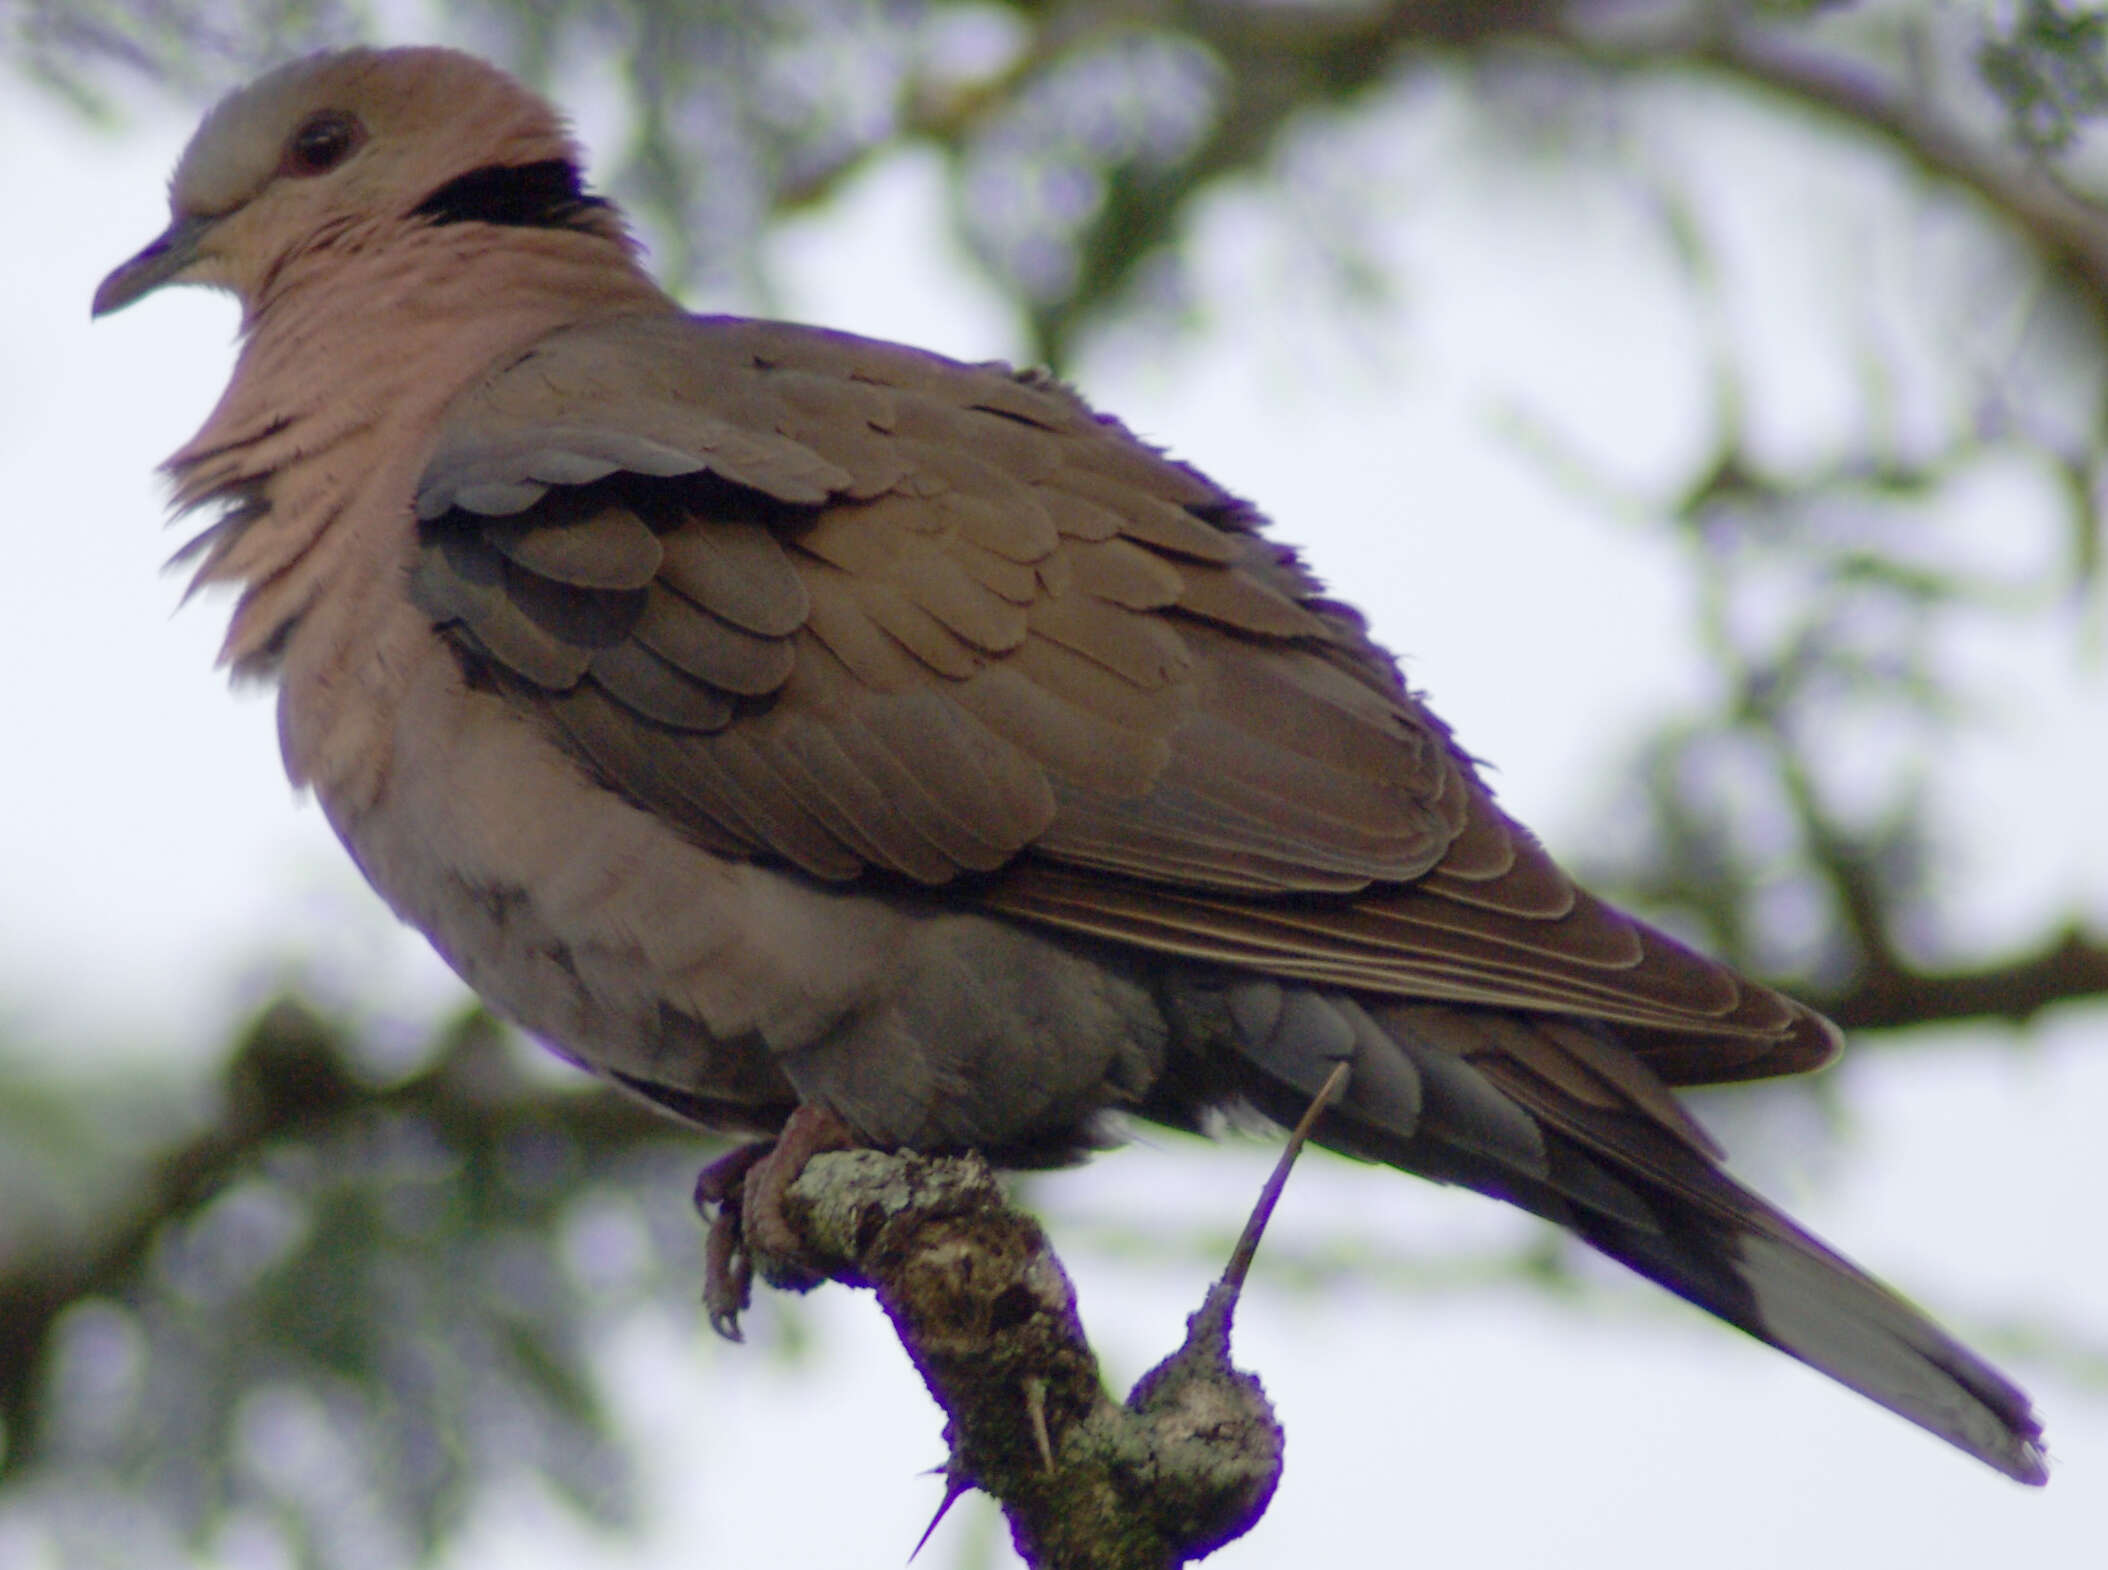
<point x="156" y="873"/>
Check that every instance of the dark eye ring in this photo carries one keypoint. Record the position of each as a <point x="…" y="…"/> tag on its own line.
<point x="324" y="140"/>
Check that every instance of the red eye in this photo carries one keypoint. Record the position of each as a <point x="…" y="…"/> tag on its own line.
<point x="323" y="141"/>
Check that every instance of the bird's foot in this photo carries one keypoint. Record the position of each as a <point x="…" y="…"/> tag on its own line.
<point x="745" y="1189"/>
<point x="728" y="1274"/>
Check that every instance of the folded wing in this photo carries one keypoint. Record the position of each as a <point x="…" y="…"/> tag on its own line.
<point x="875" y="614"/>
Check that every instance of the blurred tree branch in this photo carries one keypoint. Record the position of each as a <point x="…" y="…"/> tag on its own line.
<point x="1891" y="994"/>
<point x="1268" y="67"/>
<point x="328" y="1231"/>
<point x="2068" y="227"/>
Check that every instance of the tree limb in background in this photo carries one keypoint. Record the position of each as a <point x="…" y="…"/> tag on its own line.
<point x="1271" y="66"/>
<point x="395" y="1249"/>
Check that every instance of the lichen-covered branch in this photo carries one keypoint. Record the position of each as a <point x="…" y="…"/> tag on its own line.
<point x="984" y="1309"/>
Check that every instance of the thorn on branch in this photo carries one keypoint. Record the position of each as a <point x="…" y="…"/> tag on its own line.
<point x="987" y="1314"/>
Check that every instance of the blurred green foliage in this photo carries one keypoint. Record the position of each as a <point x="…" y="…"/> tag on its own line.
<point x="2049" y="67"/>
<point x="324" y="1301"/>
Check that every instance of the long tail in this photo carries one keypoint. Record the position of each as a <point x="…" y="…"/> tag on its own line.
<point x="1554" y="1115"/>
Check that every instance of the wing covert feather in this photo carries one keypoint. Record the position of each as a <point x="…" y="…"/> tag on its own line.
<point x="866" y="610"/>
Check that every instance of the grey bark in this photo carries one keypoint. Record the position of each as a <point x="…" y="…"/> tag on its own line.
<point x="984" y="1309"/>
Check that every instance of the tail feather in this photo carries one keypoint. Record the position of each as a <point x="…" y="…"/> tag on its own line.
<point x="1774" y="1280"/>
<point x="1554" y="1115"/>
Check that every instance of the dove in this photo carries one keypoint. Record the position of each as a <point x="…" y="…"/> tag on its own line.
<point x="833" y="742"/>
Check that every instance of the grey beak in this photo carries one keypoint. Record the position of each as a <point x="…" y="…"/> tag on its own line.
<point x="163" y="261"/>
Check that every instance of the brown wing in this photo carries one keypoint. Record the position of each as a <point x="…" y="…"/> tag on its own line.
<point x="870" y="611"/>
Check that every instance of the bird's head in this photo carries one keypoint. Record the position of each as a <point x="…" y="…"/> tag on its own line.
<point x="317" y="152"/>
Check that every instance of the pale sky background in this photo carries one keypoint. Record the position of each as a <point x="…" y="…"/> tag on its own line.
<point x="157" y="875"/>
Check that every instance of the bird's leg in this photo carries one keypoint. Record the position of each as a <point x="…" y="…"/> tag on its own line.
<point x="746" y="1187"/>
<point x="810" y="1131"/>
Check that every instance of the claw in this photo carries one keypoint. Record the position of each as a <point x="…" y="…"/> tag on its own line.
<point x="728" y="1276"/>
